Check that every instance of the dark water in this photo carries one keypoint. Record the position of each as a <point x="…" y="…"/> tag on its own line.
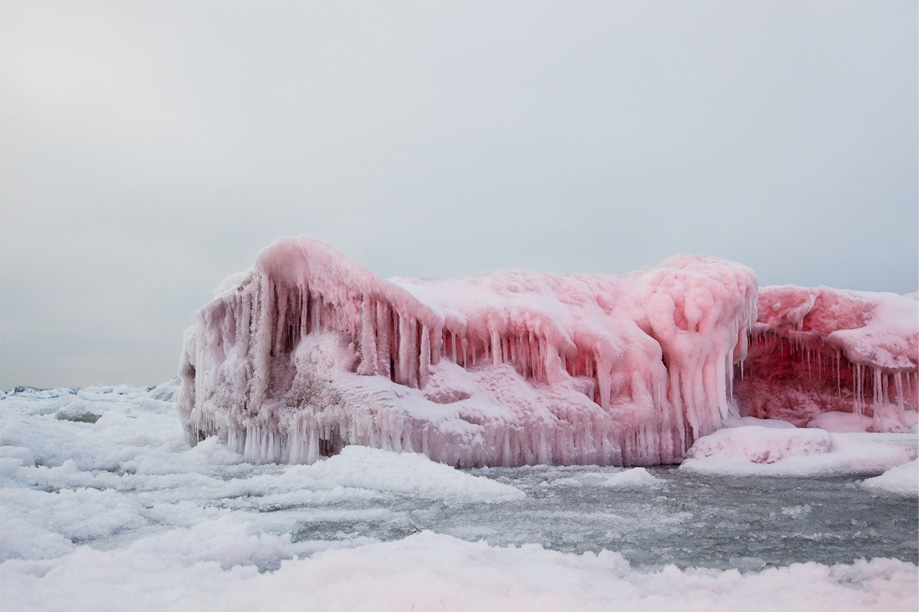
<point x="685" y="519"/>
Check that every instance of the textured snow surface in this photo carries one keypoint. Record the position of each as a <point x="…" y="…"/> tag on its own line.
<point x="428" y="571"/>
<point x="117" y="511"/>
<point x="815" y="350"/>
<point x="309" y="352"/>
<point x="902" y="479"/>
<point x="792" y="452"/>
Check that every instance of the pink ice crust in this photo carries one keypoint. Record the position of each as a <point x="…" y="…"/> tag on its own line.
<point x="308" y="352"/>
<point x="816" y="352"/>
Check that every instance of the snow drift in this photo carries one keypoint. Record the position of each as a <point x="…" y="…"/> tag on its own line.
<point x="819" y="350"/>
<point x="308" y="352"/>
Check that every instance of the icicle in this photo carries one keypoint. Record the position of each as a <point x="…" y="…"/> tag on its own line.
<point x="424" y="365"/>
<point x="368" y="365"/>
<point x="405" y="353"/>
<point x="858" y="389"/>
<point x="603" y="380"/>
<point x="383" y="324"/>
<point x="414" y="352"/>
<point x="838" y="377"/>
<point x="878" y="417"/>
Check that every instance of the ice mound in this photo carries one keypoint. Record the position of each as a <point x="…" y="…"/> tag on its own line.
<point x="770" y="451"/>
<point x="761" y="444"/>
<point x="632" y="478"/>
<point x="842" y="422"/>
<point x="309" y="352"/>
<point x="816" y="350"/>
<point x="410" y="474"/>
<point x="900" y="480"/>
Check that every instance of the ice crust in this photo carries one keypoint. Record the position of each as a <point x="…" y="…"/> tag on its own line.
<point x="817" y="350"/>
<point x="309" y="351"/>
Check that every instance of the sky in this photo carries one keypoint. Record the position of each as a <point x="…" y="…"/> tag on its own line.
<point x="150" y="149"/>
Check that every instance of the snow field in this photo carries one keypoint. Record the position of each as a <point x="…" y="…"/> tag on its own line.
<point x="121" y="512"/>
<point x="428" y="571"/>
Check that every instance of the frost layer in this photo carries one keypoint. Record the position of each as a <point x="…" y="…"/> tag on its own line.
<point x="309" y="351"/>
<point x="815" y="350"/>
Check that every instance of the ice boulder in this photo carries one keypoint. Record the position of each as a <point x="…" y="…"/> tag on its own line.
<point x="308" y="352"/>
<point x="816" y="350"/>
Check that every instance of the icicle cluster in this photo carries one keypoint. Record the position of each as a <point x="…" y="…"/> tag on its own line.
<point x="309" y="351"/>
<point x="818" y="349"/>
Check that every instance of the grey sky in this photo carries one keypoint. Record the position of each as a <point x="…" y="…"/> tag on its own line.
<point x="149" y="149"/>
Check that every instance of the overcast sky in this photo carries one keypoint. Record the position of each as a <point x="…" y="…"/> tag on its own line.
<point x="150" y="149"/>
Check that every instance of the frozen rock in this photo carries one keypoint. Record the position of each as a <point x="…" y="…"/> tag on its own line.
<point x="309" y="351"/>
<point x="816" y="350"/>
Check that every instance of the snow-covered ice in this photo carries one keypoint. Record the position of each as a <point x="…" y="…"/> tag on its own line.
<point x="120" y="512"/>
<point x="772" y="451"/>
<point x="901" y="479"/>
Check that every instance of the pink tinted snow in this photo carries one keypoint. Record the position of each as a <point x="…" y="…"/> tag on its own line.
<point x="309" y="351"/>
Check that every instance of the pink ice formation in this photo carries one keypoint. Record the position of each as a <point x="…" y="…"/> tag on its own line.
<point x="819" y="350"/>
<point x="308" y="352"/>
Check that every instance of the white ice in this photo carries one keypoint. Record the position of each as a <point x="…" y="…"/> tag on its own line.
<point x="780" y="451"/>
<point x="902" y="480"/>
<point x="632" y="478"/>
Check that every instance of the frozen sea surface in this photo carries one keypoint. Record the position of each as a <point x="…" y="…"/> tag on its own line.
<point x="105" y="506"/>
